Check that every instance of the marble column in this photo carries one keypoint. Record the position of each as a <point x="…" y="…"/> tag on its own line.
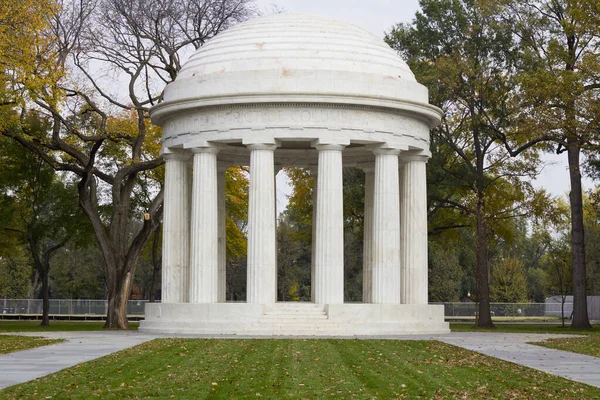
<point x="313" y="172"/>
<point x="262" y="268"/>
<point x="368" y="236"/>
<point x="413" y="231"/>
<point x="329" y="233"/>
<point x="222" y="215"/>
<point x="204" y="254"/>
<point x="175" y="250"/>
<point x="386" y="228"/>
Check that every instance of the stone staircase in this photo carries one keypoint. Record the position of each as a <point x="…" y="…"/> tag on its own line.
<point x="296" y="319"/>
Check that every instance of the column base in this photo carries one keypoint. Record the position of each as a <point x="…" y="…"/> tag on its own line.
<point x="294" y="319"/>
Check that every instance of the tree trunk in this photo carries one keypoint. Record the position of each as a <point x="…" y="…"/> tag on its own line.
<point x="120" y="256"/>
<point x="562" y="311"/>
<point x="35" y="284"/>
<point x="156" y="263"/>
<point x="580" y="313"/>
<point x="45" y="296"/>
<point x="118" y="295"/>
<point x="484" y="317"/>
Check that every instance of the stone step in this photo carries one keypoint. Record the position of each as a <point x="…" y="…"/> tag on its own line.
<point x="294" y="329"/>
<point x="296" y="324"/>
<point x="293" y="318"/>
<point x="294" y="313"/>
<point x="295" y="309"/>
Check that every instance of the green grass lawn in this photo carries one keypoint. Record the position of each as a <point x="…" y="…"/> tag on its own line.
<point x="34" y="326"/>
<point x="527" y="328"/>
<point x="10" y="344"/>
<point x="298" y="369"/>
<point x="589" y="345"/>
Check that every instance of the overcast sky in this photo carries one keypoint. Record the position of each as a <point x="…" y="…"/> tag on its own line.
<point x="379" y="16"/>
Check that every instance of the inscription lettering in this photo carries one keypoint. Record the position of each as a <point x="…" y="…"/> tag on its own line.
<point x="286" y="117"/>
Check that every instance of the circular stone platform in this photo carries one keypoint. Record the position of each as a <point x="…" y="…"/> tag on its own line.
<point x="295" y="90"/>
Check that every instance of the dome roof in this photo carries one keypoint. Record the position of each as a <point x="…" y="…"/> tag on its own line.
<point x="293" y="58"/>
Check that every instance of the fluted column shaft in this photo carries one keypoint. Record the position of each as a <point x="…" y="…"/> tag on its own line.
<point x="329" y="233"/>
<point x="204" y="257"/>
<point x="386" y="228"/>
<point x="175" y="250"/>
<point x="222" y="215"/>
<point x="413" y="231"/>
<point x="262" y="268"/>
<point x="368" y="236"/>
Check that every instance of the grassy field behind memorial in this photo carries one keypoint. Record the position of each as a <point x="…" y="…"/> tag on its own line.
<point x="55" y="326"/>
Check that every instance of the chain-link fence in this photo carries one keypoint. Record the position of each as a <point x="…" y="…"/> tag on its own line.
<point x="71" y="307"/>
<point x="66" y="307"/>
<point x="509" y="310"/>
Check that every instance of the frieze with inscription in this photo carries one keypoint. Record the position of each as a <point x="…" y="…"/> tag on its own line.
<point x="293" y="117"/>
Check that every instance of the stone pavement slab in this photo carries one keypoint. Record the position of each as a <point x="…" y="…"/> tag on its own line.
<point x="514" y="347"/>
<point x="79" y="347"/>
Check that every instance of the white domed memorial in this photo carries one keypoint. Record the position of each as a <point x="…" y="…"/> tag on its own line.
<point x="295" y="90"/>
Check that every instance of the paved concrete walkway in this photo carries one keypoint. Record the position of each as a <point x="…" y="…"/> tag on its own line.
<point x="513" y="347"/>
<point x="80" y="347"/>
<point x="85" y="346"/>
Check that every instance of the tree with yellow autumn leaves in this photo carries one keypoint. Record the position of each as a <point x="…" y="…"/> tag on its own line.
<point x="93" y="69"/>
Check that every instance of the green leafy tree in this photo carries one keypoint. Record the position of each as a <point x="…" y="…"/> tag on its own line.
<point x="299" y="215"/>
<point x="293" y="262"/>
<point x="445" y="272"/>
<point x="103" y="136"/>
<point x="78" y="272"/>
<point x="455" y="51"/>
<point x="15" y="273"/>
<point x="558" y="92"/>
<point x="236" y="205"/>
<point x="537" y="284"/>
<point x="509" y="283"/>
<point x="560" y="271"/>
<point x="591" y="214"/>
<point x="37" y="207"/>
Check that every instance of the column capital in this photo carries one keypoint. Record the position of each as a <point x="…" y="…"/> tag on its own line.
<point x="176" y="156"/>
<point x="385" y="149"/>
<point x="320" y="144"/>
<point x="413" y="157"/>
<point x="262" y="146"/>
<point x="338" y="147"/>
<point x="385" y="152"/>
<point x="209" y="149"/>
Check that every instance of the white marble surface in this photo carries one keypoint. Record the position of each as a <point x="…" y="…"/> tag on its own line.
<point x="175" y="259"/>
<point x="262" y="271"/>
<point x="294" y="54"/>
<point x="293" y="319"/>
<point x="329" y="231"/>
<point x="413" y="231"/>
<point x="294" y="90"/>
<point x="386" y="229"/>
<point x="204" y="249"/>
